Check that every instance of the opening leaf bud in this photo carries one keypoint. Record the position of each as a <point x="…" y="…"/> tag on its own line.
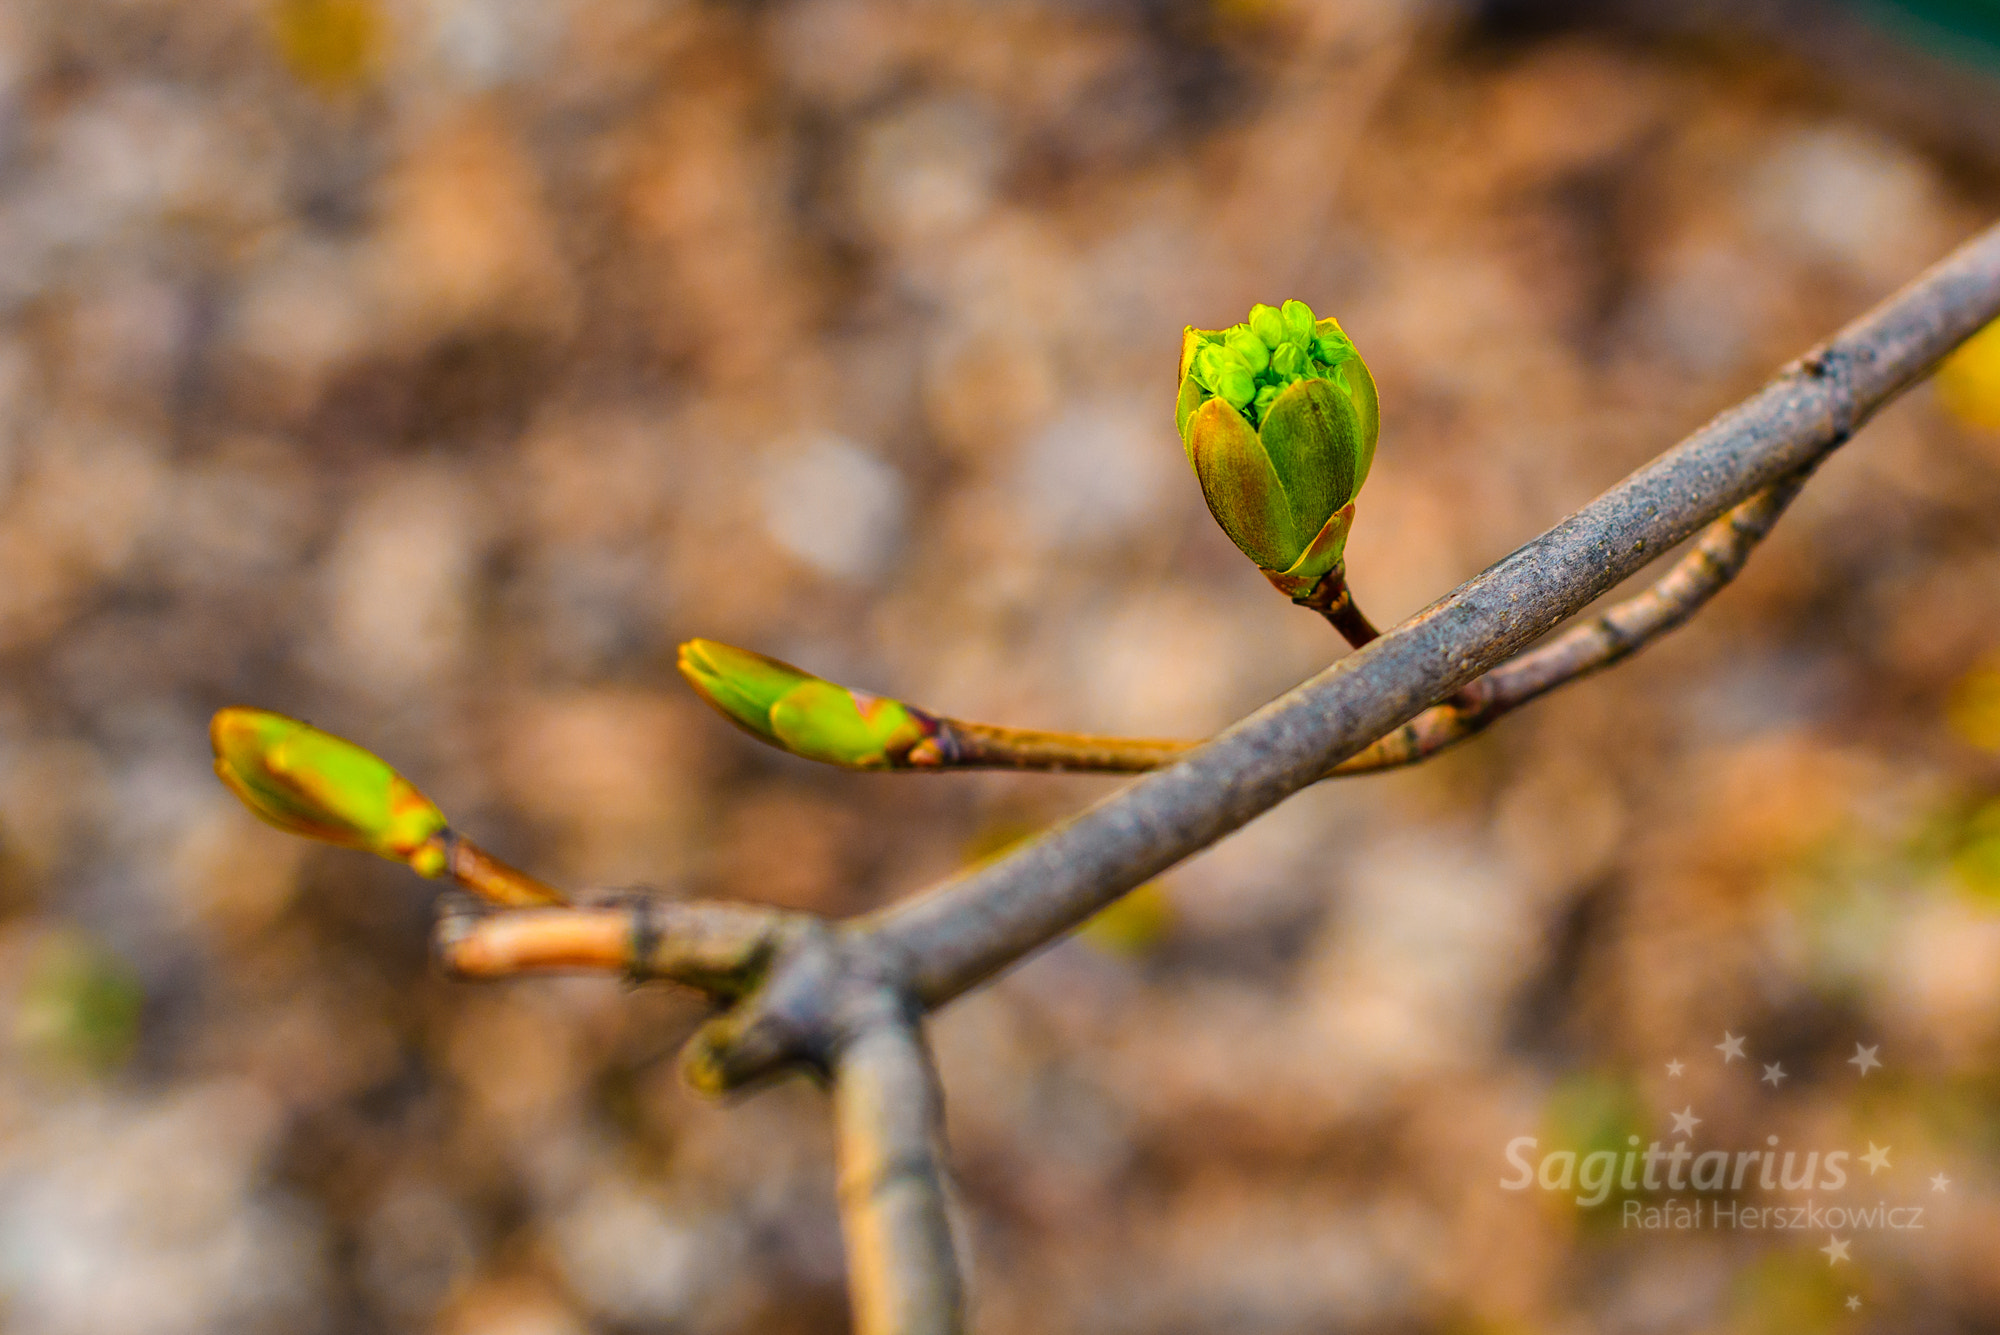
<point x="1299" y="321"/>
<point x="1280" y="441"/>
<point x="1268" y="324"/>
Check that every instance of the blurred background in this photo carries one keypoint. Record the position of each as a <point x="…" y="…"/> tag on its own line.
<point x="430" y="368"/>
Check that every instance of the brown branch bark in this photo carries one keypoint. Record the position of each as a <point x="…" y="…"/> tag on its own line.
<point x="717" y="948"/>
<point x="472" y="868"/>
<point x="889" y="1117"/>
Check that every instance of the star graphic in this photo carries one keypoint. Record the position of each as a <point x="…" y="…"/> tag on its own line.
<point x="1877" y="1158"/>
<point x="1835" y="1250"/>
<point x="1675" y="1067"/>
<point x="1774" y="1075"/>
<point x="1685" y="1121"/>
<point x="1731" y="1047"/>
<point x="1940" y="1182"/>
<point x="1853" y="1302"/>
<point x="1864" y="1059"/>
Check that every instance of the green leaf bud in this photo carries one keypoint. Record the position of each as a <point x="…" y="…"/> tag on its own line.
<point x="1238" y="386"/>
<point x="798" y="712"/>
<point x="311" y="783"/>
<point x="1267" y="324"/>
<point x="1299" y="321"/>
<point x="1249" y="347"/>
<point x="1332" y="348"/>
<point x="1280" y="464"/>
<point x="1214" y="362"/>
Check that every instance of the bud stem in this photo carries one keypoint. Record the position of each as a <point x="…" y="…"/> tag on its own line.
<point x="1332" y="599"/>
<point x="958" y="744"/>
<point x="473" y="868"/>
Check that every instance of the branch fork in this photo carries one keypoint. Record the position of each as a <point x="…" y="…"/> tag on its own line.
<point x="845" y="1001"/>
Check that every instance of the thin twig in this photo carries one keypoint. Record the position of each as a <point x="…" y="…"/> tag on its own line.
<point x="959" y="745"/>
<point x="472" y="868"/>
<point x="1716" y="558"/>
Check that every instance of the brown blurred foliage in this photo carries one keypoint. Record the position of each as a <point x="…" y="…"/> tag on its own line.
<point x="430" y="370"/>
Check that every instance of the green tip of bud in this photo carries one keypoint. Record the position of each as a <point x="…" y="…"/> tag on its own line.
<point x="795" y="711"/>
<point x="1298" y="320"/>
<point x="1268" y="324"/>
<point x="1331" y="346"/>
<point x="1249" y="347"/>
<point x="1237" y="386"/>
<point x="311" y="783"/>
<point x="1289" y="362"/>
<point x="743" y="686"/>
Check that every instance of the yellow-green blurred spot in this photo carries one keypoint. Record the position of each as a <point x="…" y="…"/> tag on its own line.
<point x="79" y="1006"/>
<point x="1792" y="1293"/>
<point x="1592" y="1113"/>
<point x="1976" y="863"/>
<point x="1974" y="709"/>
<point x="995" y="837"/>
<point x="1134" y="925"/>
<point x="1968" y="381"/>
<point x="330" y="44"/>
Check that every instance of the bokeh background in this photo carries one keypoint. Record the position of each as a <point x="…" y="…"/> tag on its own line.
<point x="430" y="368"/>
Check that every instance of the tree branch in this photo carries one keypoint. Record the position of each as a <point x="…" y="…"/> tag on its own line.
<point x="472" y="868"/>
<point x="889" y="1117"/>
<point x="952" y="937"/>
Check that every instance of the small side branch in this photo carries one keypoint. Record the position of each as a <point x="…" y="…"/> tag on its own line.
<point x="720" y="949"/>
<point x="888" y="1116"/>
<point x="1716" y="558"/>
